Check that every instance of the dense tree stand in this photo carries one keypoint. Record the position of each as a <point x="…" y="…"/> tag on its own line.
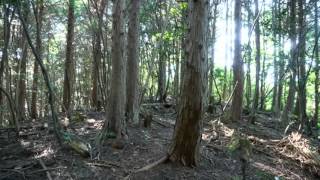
<point x="162" y="89"/>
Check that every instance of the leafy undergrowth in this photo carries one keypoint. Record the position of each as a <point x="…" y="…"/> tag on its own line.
<point x="36" y="154"/>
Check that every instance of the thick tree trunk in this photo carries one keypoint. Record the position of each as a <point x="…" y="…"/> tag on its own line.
<point x="95" y="71"/>
<point x="6" y="37"/>
<point x="292" y="64"/>
<point x="186" y="140"/>
<point x="132" y="109"/>
<point x="69" y="74"/>
<point x="236" y="107"/>
<point x="115" y="117"/>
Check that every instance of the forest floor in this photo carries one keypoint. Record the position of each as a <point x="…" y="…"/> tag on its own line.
<point x="37" y="155"/>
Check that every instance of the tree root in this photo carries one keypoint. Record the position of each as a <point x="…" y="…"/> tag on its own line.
<point x="149" y="166"/>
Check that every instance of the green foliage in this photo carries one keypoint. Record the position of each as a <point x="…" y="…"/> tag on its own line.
<point x="10" y="2"/>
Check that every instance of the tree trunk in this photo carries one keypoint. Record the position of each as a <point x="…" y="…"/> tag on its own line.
<point x="21" y="91"/>
<point x="34" y="95"/>
<point x="236" y="107"/>
<point x="69" y="73"/>
<point x="115" y="117"/>
<point x="264" y="73"/>
<point x="302" y="79"/>
<point x="292" y="64"/>
<point x="97" y="55"/>
<point x="186" y="140"/>
<point x="211" y="64"/>
<point x="57" y="128"/>
<point x="6" y="37"/>
<point x="316" y="84"/>
<point x="132" y="109"/>
<point x="177" y="69"/>
<point x="248" y="57"/>
<point x="275" y="94"/>
<point x="162" y="61"/>
<point x="257" y="58"/>
<point x="226" y="54"/>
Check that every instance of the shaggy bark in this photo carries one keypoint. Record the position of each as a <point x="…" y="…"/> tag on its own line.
<point x="132" y="109"/>
<point x="186" y="139"/>
<point x="69" y="62"/>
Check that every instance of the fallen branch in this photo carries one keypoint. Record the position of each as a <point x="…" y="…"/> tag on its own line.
<point x="216" y="147"/>
<point x="12" y="172"/>
<point x="160" y="123"/>
<point x="45" y="169"/>
<point x="234" y="89"/>
<point x="152" y="165"/>
<point x="102" y="163"/>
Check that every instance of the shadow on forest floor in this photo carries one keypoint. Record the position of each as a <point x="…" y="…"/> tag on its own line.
<point x="273" y="155"/>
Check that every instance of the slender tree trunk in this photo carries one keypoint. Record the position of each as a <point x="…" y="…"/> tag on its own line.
<point x="316" y="84"/>
<point x="263" y="77"/>
<point x="34" y="95"/>
<point x="186" y="140"/>
<point x="132" y="109"/>
<point x="281" y="74"/>
<point x="302" y="79"/>
<point x="56" y="126"/>
<point x="292" y="64"/>
<point x="226" y="55"/>
<point x="211" y="64"/>
<point x="257" y="58"/>
<point x="97" y="55"/>
<point x="236" y="107"/>
<point x="69" y="73"/>
<point x="177" y="69"/>
<point x="248" y="57"/>
<point x="162" y="61"/>
<point x="21" y="91"/>
<point x="275" y="105"/>
<point x="115" y="117"/>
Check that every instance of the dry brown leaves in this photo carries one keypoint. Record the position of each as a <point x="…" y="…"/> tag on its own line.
<point x="296" y="147"/>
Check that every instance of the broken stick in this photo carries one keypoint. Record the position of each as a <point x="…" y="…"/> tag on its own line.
<point x="45" y="169"/>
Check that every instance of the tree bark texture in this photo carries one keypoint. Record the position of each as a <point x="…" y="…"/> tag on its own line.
<point x="186" y="138"/>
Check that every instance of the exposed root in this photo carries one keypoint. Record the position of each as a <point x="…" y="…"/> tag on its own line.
<point x="150" y="166"/>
